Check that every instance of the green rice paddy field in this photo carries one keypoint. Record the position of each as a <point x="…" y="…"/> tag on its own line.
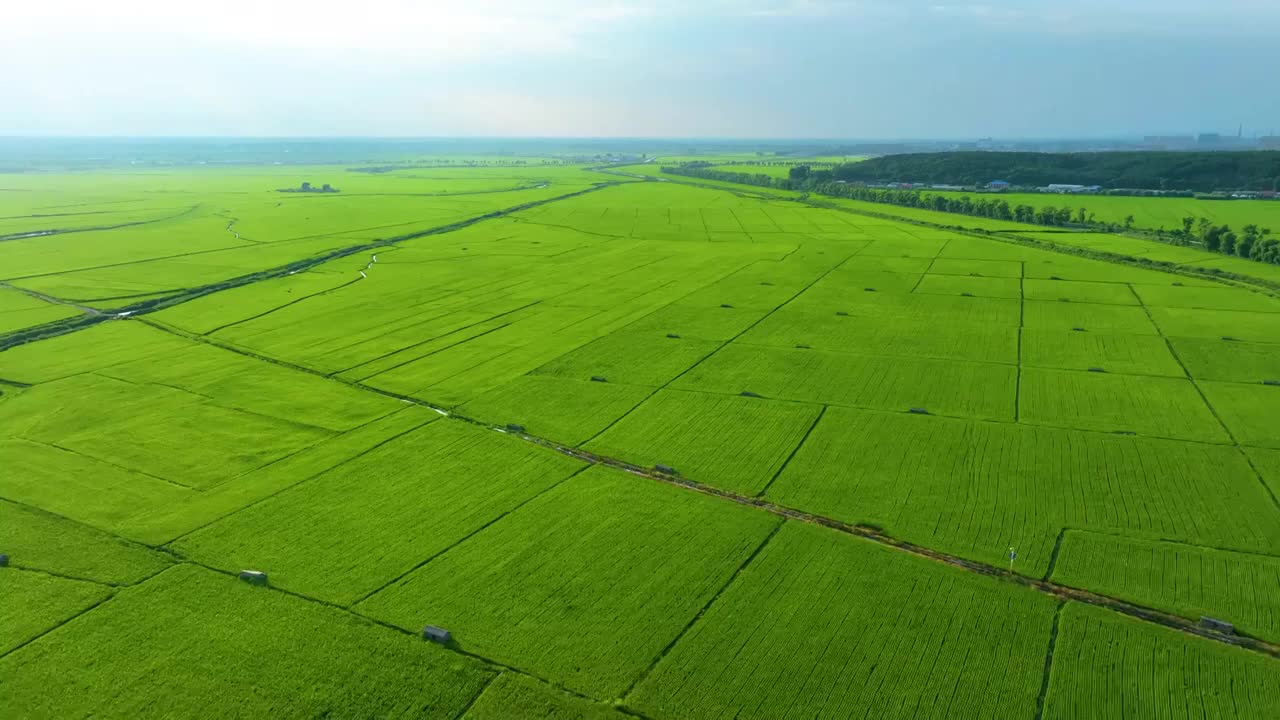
<point x="645" y="449"/>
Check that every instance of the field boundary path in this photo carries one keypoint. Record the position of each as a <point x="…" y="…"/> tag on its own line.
<point x="63" y="327"/>
<point x="51" y="299"/>
<point x="1044" y="586"/>
<point x="55" y="231"/>
<point x="1005" y="236"/>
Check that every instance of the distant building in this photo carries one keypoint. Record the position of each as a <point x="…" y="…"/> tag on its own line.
<point x="1208" y="139"/>
<point x="1070" y="189"/>
<point x="1269" y="142"/>
<point x="1168" y="142"/>
<point x="998" y="185"/>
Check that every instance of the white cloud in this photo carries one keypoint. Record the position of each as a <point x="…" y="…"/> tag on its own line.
<point x="444" y="30"/>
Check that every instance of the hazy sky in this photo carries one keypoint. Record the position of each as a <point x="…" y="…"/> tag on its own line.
<point x="744" y="68"/>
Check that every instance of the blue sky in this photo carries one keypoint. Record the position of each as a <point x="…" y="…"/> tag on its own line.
<point x="707" y="68"/>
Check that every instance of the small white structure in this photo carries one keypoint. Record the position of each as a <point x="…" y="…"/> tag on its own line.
<point x="253" y="577"/>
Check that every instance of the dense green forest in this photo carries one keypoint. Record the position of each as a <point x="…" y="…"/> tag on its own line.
<point x="1198" y="171"/>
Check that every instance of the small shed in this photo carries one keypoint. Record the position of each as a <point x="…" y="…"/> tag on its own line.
<point x="436" y="635"/>
<point x="253" y="577"/>
<point x="1218" y="626"/>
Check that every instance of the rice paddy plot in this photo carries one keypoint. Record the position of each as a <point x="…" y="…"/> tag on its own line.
<point x="178" y="271"/>
<point x="701" y="321"/>
<point x="905" y="246"/>
<point x="212" y="312"/>
<point x="731" y="442"/>
<point x="448" y="332"/>
<point x="895" y="264"/>
<point x="37" y="540"/>
<point x="1087" y="317"/>
<point x="168" y="434"/>
<point x="975" y="268"/>
<point x="1121" y="245"/>
<point x="747" y="293"/>
<point x="1207" y="298"/>
<point x="1228" y="360"/>
<point x="1048" y="266"/>
<point x="975" y="489"/>
<point x="1249" y="411"/>
<point x="19" y="311"/>
<point x="73" y="485"/>
<point x="157" y="523"/>
<point x="585" y="585"/>
<point x="1232" y="324"/>
<point x="965" y="285"/>
<point x="519" y="697"/>
<point x="942" y="309"/>
<point x="559" y="409"/>
<point x="847" y="280"/>
<point x="415" y="377"/>
<point x="250" y="385"/>
<point x="1267" y="462"/>
<point x="1123" y="354"/>
<point x="93" y="348"/>
<point x="191" y="642"/>
<point x="1191" y="581"/>
<point x="630" y="358"/>
<point x="427" y="490"/>
<point x="824" y="625"/>
<point x="1107" y="402"/>
<point x="13" y="301"/>
<point x="33" y="603"/>
<point x="882" y="336"/>
<point x="1077" y="291"/>
<point x="1109" y="665"/>
<point x="967" y="248"/>
<point x="54" y="254"/>
<point x="942" y="387"/>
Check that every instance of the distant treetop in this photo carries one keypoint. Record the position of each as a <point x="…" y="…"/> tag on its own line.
<point x="1198" y="171"/>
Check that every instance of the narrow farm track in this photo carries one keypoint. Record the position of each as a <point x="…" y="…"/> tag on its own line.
<point x="52" y="300"/>
<point x="179" y="558"/>
<point x="1044" y="586"/>
<point x="64" y="327"/>
<point x="1205" y="398"/>
<point x="1252" y="283"/>
<point x="779" y="513"/>
<point x="67" y="231"/>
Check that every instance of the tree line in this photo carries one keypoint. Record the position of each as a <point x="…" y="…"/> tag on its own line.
<point x="1194" y="171"/>
<point x="1252" y="242"/>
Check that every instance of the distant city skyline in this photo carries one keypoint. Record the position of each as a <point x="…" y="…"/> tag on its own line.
<point x="870" y="69"/>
